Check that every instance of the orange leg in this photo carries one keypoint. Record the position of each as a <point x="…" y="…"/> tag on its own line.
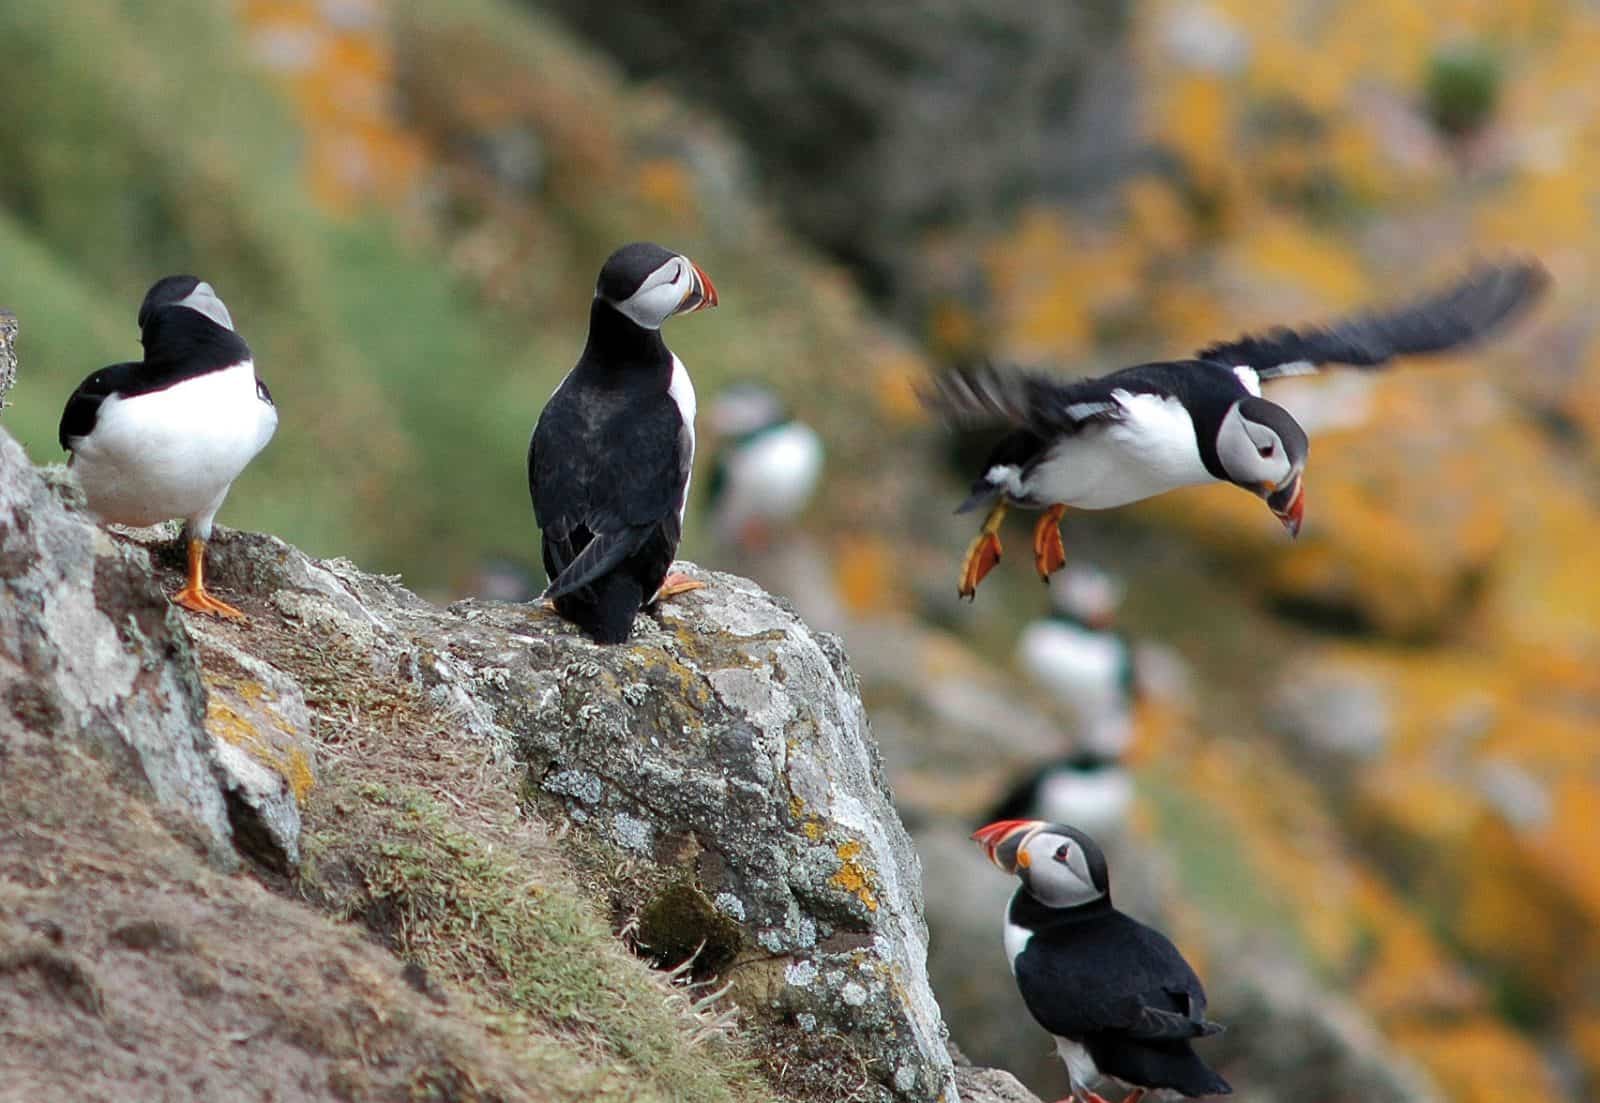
<point x="676" y="583"/>
<point x="193" y="596"/>
<point x="1134" y="1096"/>
<point x="983" y="553"/>
<point x="1049" y="555"/>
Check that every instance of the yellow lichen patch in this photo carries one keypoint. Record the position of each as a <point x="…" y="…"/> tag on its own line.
<point x="895" y="374"/>
<point x="231" y="726"/>
<point x="853" y="876"/>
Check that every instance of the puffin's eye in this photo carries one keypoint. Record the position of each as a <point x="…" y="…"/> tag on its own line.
<point x="1266" y="450"/>
<point x="1062" y="852"/>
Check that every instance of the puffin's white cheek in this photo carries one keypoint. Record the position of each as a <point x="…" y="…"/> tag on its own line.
<point x="650" y="306"/>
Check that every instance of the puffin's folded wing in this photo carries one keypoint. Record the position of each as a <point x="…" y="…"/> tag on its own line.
<point x="83" y="406"/>
<point x="990" y="395"/>
<point x="599" y="556"/>
<point x="1483" y="300"/>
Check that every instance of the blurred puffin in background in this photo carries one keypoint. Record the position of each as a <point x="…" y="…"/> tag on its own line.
<point x="765" y="468"/>
<point x="167" y="435"/>
<point x="1105" y="442"/>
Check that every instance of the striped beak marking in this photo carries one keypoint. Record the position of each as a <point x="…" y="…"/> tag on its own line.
<point x="702" y="293"/>
<point x="1002" y="842"/>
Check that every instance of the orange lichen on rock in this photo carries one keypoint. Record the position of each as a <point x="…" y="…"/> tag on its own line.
<point x="853" y="876"/>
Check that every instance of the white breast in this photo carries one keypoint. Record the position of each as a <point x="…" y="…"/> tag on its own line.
<point x="681" y="390"/>
<point x="771" y="478"/>
<point x="174" y="452"/>
<point x="1082" y="669"/>
<point x="1150" y="451"/>
<point x="1081" y="1069"/>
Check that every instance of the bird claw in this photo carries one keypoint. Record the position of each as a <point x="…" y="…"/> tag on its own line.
<point x="197" y="600"/>
<point x="1049" y="554"/>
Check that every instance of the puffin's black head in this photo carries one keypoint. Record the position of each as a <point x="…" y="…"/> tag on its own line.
<point x="1060" y="866"/>
<point x="650" y="284"/>
<point x="186" y="291"/>
<point x="1263" y="449"/>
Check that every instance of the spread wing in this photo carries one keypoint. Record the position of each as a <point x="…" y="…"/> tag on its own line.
<point x="83" y="406"/>
<point x="603" y="484"/>
<point x="989" y="395"/>
<point x="1130" y="979"/>
<point x="1486" y="298"/>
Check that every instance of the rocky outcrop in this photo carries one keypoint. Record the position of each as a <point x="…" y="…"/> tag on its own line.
<point x="8" y="353"/>
<point x="721" y="761"/>
<point x="714" y="780"/>
<point x="92" y="654"/>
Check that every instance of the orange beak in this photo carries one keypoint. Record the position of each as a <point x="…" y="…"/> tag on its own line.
<point x="1288" y="504"/>
<point x="702" y="292"/>
<point x="993" y="837"/>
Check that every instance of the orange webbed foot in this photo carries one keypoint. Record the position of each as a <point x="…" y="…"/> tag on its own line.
<point x="677" y="583"/>
<point x="1049" y="554"/>
<point x="196" y="599"/>
<point x="982" y="555"/>
<point x="194" y="596"/>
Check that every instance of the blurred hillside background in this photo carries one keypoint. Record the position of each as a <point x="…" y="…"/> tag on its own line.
<point x="1374" y="777"/>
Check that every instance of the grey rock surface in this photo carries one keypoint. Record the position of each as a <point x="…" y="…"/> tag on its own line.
<point x="8" y="354"/>
<point x="721" y="756"/>
<point x="91" y="651"/>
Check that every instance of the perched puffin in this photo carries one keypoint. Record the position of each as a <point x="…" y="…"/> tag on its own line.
<point x="1084" y="787"/>
<point x="766" y="465"/>
<point x="1119" y="438"/>
<point x="165" y="436"/>
<point x="610" y="458"/>
<point x="1118" y="996"/>
<point x="1077" y="654"/>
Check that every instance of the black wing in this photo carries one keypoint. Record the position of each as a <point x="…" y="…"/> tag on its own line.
<point x="603" y="479"/>
<point x="1117" y="975"/>
<point x="1482" y="301"/>
<point x="989" y="395"/>
<point x="83" y="406"/>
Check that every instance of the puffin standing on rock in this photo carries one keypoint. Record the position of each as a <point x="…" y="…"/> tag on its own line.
<point x="610" y="458"/>
<point x="1119" y="438"/>
<point x="165" y="436"/>
<point x="1118" y="996"/>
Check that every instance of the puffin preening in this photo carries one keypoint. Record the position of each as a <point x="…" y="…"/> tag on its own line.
<point x="1119" y="438"/>
<point x="165" y="436"/>
<point x="610" y="458"/>
<point x="1117" y="995"/>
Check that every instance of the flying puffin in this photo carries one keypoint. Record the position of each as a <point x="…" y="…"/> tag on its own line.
<point x="610" y="458"/>
<point x="1141" y="431"/>
<point x="1117" y="995"/>
<point x="766" y="465"/>
<point x="165" y="436"/>
<point x="1077" y="654"/>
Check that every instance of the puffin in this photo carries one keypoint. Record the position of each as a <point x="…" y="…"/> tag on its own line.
<point x="765" y="468"/>
<point x="166" y="436"/>
<point x="611" y="455"/>
<point x="1084" y="787"/>
<point x="1103" y="442"/>
<point x="1120" y="1000"/>
<point x="1077" y="654"/>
